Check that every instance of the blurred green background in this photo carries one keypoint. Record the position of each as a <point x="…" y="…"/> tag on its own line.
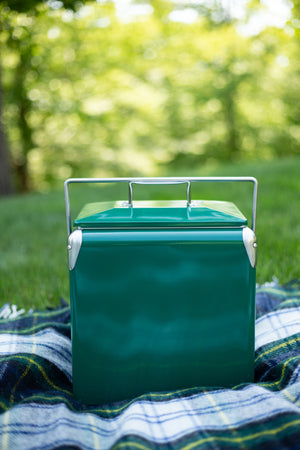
<point x="143" y="88"/>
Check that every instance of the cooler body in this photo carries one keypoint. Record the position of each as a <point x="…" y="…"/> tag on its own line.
<point x="160" y="304"/>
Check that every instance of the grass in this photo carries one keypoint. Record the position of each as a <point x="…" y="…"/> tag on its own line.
<point x="33" y="263"/>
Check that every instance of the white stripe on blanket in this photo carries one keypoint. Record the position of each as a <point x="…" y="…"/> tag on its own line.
<point x="47" y="344"/>
<point x="276" y="325"/>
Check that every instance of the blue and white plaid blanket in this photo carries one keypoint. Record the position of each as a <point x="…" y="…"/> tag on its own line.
<point x="38" y="410"/>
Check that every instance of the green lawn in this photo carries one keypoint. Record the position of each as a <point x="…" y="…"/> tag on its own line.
<point x="33" y="263"/>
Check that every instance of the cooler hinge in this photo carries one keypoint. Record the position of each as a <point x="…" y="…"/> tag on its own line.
<point x="74" y="244"/>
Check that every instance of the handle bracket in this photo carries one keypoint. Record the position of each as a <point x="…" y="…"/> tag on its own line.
<point x="146" y="182"/>
<point x="160" y="180"/>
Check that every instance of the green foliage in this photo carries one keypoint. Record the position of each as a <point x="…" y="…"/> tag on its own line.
<point x="20" y="5"/>
<point x="23" y="6"/>
<point x="93" y="93"/>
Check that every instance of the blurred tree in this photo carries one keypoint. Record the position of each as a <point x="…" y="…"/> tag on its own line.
<point x="292" y="88"/>
<point x="133" y="88"/>
<point x="21" y="40"/>
<point x="6" y="185"/>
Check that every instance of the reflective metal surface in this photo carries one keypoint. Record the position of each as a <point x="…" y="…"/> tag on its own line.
<point x="151" y="214"/>
<point x="166" y="181"/>
<point x="74" y="244"/>
<point x="157" y="180"/>
<point x="160" y="310"/>
<point x="250" y="243"/>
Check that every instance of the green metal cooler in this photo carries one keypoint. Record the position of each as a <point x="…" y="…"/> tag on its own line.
<point x="162" y="293"/>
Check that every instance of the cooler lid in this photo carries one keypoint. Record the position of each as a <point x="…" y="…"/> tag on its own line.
<point x="201" y="213"/>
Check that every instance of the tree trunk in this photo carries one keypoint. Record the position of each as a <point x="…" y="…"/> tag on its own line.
<point x="24" y="108"/>
<point x="6" y="185"/>
<point x="230" y="119"/>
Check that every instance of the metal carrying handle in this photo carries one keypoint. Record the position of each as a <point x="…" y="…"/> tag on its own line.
<point x="188" y="188"/>
<point x="159" y="180"/>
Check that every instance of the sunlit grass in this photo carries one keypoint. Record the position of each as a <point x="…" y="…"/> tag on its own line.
<point x="33" y="263"/>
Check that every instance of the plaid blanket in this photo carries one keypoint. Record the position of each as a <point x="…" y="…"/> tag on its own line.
<point x="38" y="410"/>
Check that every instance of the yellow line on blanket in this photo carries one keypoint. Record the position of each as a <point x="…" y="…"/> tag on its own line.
<point x="50" y="313"/>
<point x="12" y="395"/>
<point x="131" y="444"/>
<point x="11" y="399"/>
<point x="95" y="435"/>
<point x="282" y="373"/>
<point x="291" y="300"/>
<point x="46" y="398"/>
<point x="115" y="410"/>
<point x="32" y="361"/>
<point x="245" y="438"/>
<point x="3" y="406"/>
<point x="268" y="384"/>
<point x="223" y="416"/>
<point x="283" y="344"/>
<point x="93" y="410"/>
<point x="279" y="291"/>
<point x="290" y="396"/>
<point x="142" y="397"/>
<point x="250" y="437"/>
